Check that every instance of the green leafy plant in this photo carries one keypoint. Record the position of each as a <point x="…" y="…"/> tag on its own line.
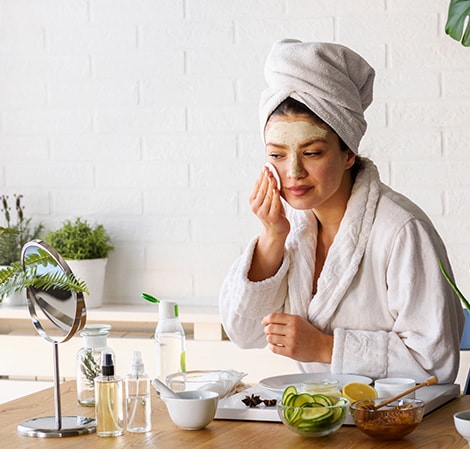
<point x="78" y="240"/>
<point x="454" y="287"/>
<point x="17" y="276"/>
<point x="458" y="21"/>
<point x="14" y="235"/>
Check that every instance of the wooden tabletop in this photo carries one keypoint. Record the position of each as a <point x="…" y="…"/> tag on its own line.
<point x="437" y="430"/>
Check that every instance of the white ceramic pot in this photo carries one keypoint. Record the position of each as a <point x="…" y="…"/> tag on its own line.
<point x="391" y="386"/>
<point x="92" y="272"/>
<point x="17" y="299"/>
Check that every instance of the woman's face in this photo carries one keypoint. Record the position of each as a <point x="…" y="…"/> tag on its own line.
<point x="310" y="163"/>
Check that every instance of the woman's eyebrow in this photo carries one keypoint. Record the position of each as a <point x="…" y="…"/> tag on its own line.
<point x="312" y="141"/>
<point x="277" y="145"/>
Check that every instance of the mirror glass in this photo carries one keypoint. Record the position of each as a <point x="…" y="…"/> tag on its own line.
<point x="57" y="311"/>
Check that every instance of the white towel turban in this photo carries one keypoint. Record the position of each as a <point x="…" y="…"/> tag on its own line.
<point x="330" y="79"/>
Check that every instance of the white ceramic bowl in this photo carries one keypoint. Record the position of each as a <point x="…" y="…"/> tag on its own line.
<point x="462" y="424"/>
<point x="391" y="386"/>
<point x="193" y="410"/>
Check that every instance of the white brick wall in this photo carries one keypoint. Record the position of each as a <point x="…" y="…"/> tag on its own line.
<point x="142" y="115"/>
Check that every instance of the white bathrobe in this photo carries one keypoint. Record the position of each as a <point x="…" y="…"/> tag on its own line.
<point x="380" y="293"/>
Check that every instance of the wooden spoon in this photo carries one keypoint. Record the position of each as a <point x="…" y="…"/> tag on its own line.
<point x="431" y="381"/>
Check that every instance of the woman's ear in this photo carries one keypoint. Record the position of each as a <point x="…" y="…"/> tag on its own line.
<point x="350" y="159"/>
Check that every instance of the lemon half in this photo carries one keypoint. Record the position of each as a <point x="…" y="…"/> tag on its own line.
<point x="356" y="391"/>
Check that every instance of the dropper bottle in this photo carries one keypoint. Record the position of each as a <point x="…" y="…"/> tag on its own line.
<point x="138" y="396"/>
<point x="108" y="398"/>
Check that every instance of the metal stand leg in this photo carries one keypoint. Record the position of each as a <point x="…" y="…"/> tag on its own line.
<point x="58" y="425"/>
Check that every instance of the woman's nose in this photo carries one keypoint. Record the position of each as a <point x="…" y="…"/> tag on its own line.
<point x="296" y="170"/>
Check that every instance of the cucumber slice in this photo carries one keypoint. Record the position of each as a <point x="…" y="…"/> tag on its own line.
<point x="337" y="414"/>
<point x="292" y="415"/>
<point x="316" y="414"/>
<point x="322" y="399"/>
<point x="288" y="393"/>
<point x="302" y="399"/>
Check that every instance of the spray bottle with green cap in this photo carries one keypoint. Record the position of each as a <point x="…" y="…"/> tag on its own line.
<point x="169" y="339"/>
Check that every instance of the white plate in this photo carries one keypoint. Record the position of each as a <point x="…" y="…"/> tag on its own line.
<point x="232" y="406"/>
<point x="279" y="383"/>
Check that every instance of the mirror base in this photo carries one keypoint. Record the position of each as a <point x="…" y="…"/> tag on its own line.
<point x="46" y="427"/>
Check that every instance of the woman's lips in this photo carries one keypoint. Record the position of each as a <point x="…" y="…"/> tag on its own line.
<point x="299" y="190"/>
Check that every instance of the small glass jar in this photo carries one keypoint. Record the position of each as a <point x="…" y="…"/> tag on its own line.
<point x="329" y="387"/>
<point x="89" y="361"/>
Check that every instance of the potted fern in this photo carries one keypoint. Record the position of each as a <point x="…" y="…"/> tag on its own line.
<point x="86" y="249"/>
<point x="13" y="235"/>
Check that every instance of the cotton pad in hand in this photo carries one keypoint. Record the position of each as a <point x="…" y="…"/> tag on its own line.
<point x="273" y="170"/>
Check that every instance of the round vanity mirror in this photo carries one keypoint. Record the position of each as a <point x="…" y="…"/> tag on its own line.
<point x="57" y="311"/>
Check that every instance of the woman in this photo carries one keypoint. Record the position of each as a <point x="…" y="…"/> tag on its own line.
<point x="344" y="276"/>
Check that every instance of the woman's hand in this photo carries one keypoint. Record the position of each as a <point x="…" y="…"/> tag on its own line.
<point x="267" y="206"/>
<point x="294" y="337"/>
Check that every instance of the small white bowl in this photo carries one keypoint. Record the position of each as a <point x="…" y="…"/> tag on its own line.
<point x="462" y="424"/>
<point x="391" y="386"/>
<point x="193" y="410"/>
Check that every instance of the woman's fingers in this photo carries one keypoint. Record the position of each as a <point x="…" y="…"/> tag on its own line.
<point x="294" y="337"/>
<point x="262" y="200"/>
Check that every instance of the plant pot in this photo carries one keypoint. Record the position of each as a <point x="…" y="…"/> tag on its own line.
<point x="92" y="272"/>
<point x="17" y="299"/>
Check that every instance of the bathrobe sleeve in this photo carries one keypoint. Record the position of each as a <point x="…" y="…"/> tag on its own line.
<point x="244" y="303"/>
<point x="427" y="316"/>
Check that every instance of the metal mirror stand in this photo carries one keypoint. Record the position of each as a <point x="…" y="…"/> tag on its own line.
<point x="65" y="310"/>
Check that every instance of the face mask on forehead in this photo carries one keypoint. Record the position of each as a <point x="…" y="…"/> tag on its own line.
<point x="292" y="135"/>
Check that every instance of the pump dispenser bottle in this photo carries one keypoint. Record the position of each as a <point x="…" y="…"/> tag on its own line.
<point x="138" y="396"/>
<point x="169" y="341"/>
<point x="108" y="398"/>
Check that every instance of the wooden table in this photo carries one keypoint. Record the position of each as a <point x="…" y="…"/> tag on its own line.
<point x="437" y="430"/>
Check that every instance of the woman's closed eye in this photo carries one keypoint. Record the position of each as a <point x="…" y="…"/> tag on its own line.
<point x="313" y="153"/>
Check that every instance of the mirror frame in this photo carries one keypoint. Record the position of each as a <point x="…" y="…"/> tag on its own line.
<point x="77" y="322"/>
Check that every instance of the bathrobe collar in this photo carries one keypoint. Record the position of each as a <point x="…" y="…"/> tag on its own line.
<point x="344" y="255"/>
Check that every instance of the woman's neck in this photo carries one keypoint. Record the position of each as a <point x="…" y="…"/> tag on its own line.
<point x="330" y="214"/>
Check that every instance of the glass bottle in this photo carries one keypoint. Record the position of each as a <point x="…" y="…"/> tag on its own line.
<point x="108" y="397"/>
<point x="138" y="407"/>
<point x="89" y="361"/>
<point x="329" y="387"/>
<point x="169" y="341"/>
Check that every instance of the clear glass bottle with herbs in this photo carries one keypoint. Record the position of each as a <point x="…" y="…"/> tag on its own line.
<point x="89" y="361"/>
